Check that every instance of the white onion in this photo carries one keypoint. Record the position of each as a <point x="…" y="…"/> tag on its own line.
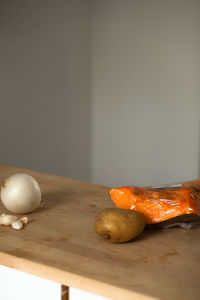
<point x="20" y="193"/>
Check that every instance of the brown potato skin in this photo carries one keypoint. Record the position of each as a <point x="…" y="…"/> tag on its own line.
<point x="118" y="225"/>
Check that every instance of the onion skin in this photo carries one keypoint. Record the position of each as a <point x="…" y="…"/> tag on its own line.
<point x="20" y="193"/>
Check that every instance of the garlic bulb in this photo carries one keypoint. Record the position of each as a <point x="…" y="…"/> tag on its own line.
<point x="20" y="193"/>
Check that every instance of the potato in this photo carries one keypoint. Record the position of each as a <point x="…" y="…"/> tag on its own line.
<point x="118" y="225"/>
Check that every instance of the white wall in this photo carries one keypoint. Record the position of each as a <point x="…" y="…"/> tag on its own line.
<point x="44" y="86"/>
<point x="146" y="95"/>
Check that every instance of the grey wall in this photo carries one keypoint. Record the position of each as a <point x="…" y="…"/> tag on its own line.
<point x="113" y="98"/>
<point x="44" y="86"/>
<point x="146" y="95"/>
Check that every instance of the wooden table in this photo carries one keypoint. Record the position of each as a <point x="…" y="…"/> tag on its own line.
<point x="59" y="243"/>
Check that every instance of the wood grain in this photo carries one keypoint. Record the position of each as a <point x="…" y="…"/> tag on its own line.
<point x="59" y="243"/>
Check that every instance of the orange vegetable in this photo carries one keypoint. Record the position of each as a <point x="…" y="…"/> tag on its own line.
<point x="158" y="204"/>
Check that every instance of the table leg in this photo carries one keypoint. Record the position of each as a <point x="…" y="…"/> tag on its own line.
<point x="64" y="292"/>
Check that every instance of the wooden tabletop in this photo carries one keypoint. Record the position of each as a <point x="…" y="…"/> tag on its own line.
<point x="59" y="243"/>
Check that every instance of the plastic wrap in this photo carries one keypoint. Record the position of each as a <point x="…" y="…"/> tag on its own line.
<point x="159" y="203"/>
